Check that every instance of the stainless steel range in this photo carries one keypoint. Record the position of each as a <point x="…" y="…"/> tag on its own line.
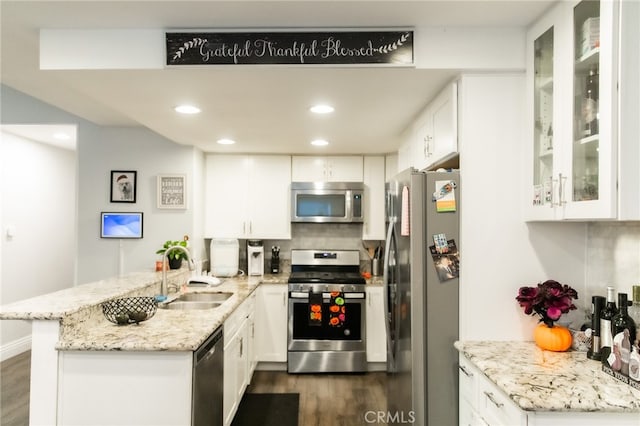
<point x="326" y="312"/>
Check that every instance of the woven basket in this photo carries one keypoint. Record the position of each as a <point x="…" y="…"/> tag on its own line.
<point x="129" y="310"/>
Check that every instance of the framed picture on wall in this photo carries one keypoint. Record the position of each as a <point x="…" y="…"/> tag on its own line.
<point x="123" y="186"/>
<point x="172" y="191"/>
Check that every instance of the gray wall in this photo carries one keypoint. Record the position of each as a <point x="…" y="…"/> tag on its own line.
<point x="99" y="150"/>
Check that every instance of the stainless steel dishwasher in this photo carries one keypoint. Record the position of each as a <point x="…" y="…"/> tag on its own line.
<point x="208" y="386"/>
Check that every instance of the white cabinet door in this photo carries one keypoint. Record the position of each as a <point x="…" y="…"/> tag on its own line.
<point x="444" y="124"/>
<point x="248" y="196"/>
<point x="329" y="169"/>
<point x="252" y="359"/>
<point x="226" y="186"/>
<point x="269" y="197"/>
<point x="374" y="208"/>
<point x="376" y="331"/>
<point x="435" y="137"/>
<point x="271" y="323"/>
<point x="572" y="125"/>
<point x="235" y="371"/>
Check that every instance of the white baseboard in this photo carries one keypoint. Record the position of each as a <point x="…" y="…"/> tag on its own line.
<point x="15" y="347"/>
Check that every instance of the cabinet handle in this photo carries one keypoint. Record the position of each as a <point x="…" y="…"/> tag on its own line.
<point x="465" y="371"/>
<point x="242" y="348"/>
<point x="496" y="403"/>
<point x="244" y="228"/>
<point x="561" y="180"/>
<point x="250" y="227"/>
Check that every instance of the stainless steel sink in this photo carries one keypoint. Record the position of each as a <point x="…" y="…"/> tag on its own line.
<point x="204" y="297"/>
<point x="189" y="306"/>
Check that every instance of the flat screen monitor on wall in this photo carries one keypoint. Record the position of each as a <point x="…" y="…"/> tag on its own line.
<point x="121" y="225"/>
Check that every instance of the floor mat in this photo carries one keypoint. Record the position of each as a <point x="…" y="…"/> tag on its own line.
<point x="268" y="409"/>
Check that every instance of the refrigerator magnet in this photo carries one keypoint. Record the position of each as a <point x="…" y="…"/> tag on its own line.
<point x="445" y="196"/>
<point x="440" y="243"/>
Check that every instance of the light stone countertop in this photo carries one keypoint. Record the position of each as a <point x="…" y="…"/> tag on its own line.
<point x="539" y="380"/>
<point x="83" y="327"/>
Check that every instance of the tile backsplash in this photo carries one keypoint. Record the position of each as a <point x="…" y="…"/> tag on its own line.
<point x="613" y="257"/>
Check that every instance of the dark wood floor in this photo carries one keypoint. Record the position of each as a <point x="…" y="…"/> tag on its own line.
<point x="328" y="399"/>
<point x="15" y="374"/>
<point x="325" y="399"/>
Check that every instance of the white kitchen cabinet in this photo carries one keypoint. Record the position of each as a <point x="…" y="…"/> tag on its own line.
<point x="437" y="137"/>
<point x="271" y="323"/>
<point x="573" y="59"/>
<point x="376" y="330"/>
<point x="124" y="388"/>
<point x="248" y="196"/>
<point x="481" y="402"/>
<point x="236" y="362"/>
<point x="433" y="138"/>
<point x="374" y="208"/>
<point x="252" y="358"/>
<point x="327" y="169"/>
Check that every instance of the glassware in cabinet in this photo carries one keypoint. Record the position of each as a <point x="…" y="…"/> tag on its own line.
<point x="543" y="118"/>
<point x="586" y="108"/>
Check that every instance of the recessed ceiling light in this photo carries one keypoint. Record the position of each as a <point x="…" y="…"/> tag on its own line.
<point x="319" y="142"/>
<point x="187" y="109"/>
<point x="321" y="109"/>
<point x="226" y="141"/>
<point x="61" y="136"/>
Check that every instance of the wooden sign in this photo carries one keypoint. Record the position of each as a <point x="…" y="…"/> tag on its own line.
<point x="394" y="48"/>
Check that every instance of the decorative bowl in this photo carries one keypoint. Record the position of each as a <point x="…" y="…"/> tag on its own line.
<point x="129" y="310"/>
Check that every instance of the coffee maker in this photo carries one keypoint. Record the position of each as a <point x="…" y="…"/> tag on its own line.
<point x="255" y="257"/>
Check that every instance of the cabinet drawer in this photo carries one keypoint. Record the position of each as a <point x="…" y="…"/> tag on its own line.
<point x="234" y="321"/>
<point x="495" y="408"/>
<point x="468" y="381"/>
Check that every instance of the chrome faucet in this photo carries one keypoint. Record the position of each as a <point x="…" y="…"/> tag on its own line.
<point x="192" y="266"/>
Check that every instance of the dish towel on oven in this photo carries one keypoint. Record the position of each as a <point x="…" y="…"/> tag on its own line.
<point x="315" y="308"/>
<point x="337" y="310"/>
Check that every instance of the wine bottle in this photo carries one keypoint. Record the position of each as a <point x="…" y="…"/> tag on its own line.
<point x="590" y="104"/>
<point x="606" y="329"/>
<point x="624" y="332"/>
<point x="634" y="309"/>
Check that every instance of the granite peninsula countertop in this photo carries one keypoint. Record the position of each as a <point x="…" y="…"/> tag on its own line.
<point x="539" y="380"/>
<point x="84" y="327"/>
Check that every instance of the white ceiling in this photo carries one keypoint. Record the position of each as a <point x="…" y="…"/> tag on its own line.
<point x="265" y="109"/>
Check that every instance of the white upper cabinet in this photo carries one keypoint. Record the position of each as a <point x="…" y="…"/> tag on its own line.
<point x="248" y="196"/>
<point x="572" y="115"/>
<point x="374" y="209"/>
<point x="327" y="169"/>
<point x="433" y="137"/>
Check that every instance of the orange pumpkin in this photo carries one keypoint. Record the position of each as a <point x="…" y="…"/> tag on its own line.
<point x="556" y="338"/>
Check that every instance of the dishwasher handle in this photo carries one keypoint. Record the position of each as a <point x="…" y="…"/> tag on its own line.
<point x="208" y="348"/>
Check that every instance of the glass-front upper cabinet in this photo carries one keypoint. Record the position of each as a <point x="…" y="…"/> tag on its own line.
<point x="571" y="163"/>
<point x="542" y="156"/>
<point x="543" y="118"/>
<point x="591" y="192"/>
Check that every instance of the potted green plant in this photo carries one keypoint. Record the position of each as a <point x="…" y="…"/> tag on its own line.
<point x="175" y="255"/>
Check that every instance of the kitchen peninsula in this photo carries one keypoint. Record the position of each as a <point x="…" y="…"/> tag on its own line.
<point x="151" y="361"/>
<point x="517" y="383"/>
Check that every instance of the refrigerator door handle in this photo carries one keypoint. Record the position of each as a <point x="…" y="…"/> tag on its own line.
<point x="386" y="289"/>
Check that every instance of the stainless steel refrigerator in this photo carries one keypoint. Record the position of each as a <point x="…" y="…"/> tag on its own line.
<point x="421" y="297"/>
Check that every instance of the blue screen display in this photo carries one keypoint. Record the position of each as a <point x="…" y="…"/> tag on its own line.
<point x="121" y="225"/>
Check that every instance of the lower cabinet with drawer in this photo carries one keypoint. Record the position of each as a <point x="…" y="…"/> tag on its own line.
<point x="482" y="403"/>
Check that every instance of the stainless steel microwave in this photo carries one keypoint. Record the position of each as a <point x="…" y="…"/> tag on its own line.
<point x="326" y="202"/>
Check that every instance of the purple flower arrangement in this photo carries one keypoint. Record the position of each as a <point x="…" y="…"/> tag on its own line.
<point x="549" y="300"/>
